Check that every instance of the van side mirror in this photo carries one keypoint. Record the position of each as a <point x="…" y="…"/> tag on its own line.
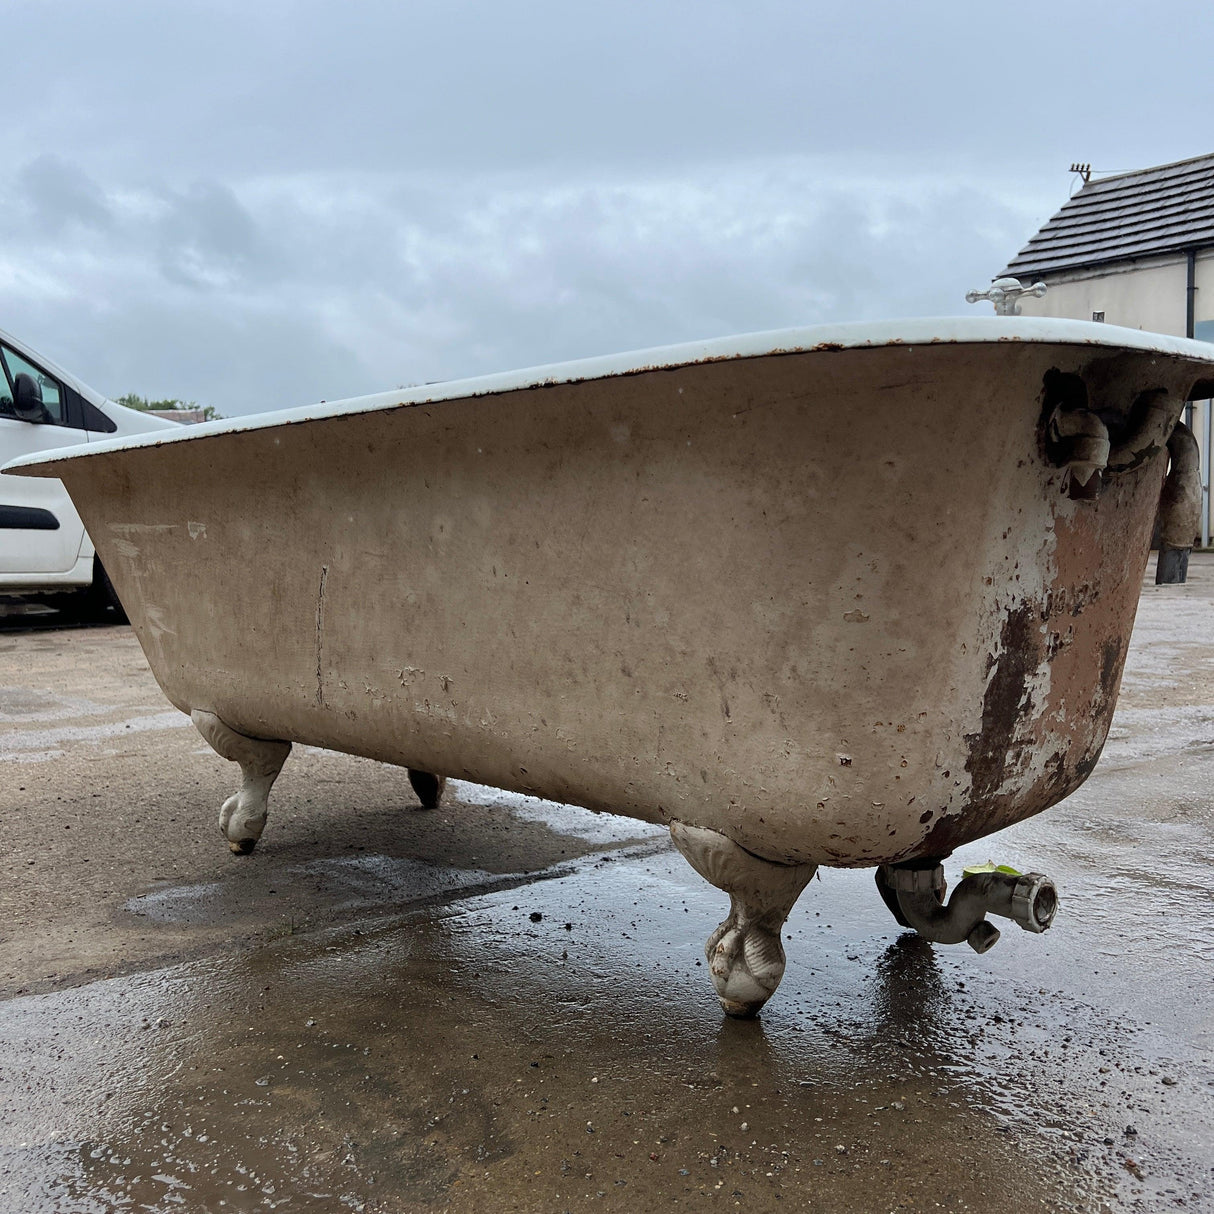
<point x="27" y="399"/>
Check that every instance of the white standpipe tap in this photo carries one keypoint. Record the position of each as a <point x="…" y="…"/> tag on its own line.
<point x="1005" y="294"/>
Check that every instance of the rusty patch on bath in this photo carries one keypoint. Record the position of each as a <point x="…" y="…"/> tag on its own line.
<point x="1007" y="704"/>
<point x="1078" y="628"/>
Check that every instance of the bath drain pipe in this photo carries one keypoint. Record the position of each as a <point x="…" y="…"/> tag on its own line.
<point x="1029" y="899"/>
<point x="1179" y="507"/>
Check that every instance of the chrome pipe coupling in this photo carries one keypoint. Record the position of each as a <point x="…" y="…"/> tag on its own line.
<point x="1034" y="902"/>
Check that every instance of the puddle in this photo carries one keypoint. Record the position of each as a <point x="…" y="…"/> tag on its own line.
<point x="556" y="1044"/>
<point x="386" y="883"/>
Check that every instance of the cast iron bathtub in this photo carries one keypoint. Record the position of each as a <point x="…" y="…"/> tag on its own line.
<point x="849" y="596"/>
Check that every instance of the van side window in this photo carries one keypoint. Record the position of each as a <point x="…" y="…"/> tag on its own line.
<point x="13" y="365"/>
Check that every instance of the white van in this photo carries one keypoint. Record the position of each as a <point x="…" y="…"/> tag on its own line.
<point x="44" y="549"/>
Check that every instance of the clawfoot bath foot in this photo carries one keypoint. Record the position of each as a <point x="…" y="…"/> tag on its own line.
<point x="745" y="954"/>
<point x="243" y="816"/>
<point x="429" y="787"/>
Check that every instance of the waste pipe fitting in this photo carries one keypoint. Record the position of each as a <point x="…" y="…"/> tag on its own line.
<point x="1179" y="507"/>
<point x="1028" y="899"/>
<point x="1080" y="441"/>
<point x="1156" y="413"/>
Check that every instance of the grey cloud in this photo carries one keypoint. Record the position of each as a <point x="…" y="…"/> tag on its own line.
<point x="208" y="239"/>
<point x="472" y="85"/>
<point x="365" y="292"/>
<point x="59" y="194"/>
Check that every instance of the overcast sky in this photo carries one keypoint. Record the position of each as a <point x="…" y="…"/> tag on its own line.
<point x="260" y="205"/>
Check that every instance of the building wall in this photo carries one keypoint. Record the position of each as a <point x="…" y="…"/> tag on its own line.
<point x="1140" y="295"/>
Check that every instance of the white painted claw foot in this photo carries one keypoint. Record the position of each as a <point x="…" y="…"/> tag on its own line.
<point x="745" y="955"/>
<point x="243" y="816"/>
<point x="429" y="787"/>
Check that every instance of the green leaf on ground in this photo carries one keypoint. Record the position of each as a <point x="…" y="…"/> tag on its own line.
<point x="990" y="866"/>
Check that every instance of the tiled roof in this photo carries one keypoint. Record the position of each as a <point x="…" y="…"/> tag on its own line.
<point x="1160" y="210"/>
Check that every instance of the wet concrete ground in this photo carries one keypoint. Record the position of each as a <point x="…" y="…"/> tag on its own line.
<point x="501" y="1005"/>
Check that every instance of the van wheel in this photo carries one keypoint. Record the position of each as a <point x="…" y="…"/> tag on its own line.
<point x="102" y="604"/>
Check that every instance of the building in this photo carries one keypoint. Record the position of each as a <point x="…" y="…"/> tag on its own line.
<point x="187" y="417"/>
<point x="1133" y="249"/>
<point x="1136" y="249"/>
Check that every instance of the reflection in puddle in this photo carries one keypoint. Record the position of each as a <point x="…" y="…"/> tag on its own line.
<point x="344" y="881"/>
